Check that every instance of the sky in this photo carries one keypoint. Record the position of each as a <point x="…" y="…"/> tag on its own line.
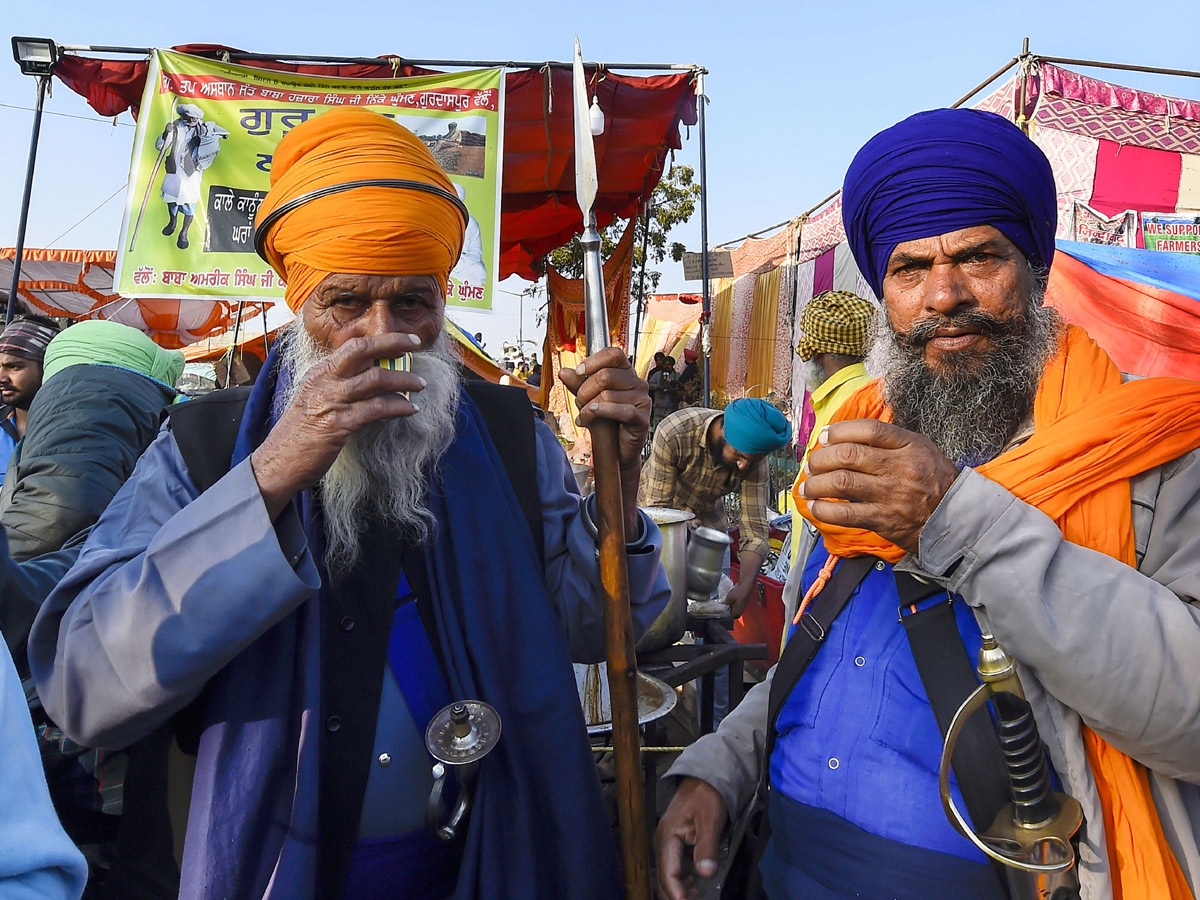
<point x="795" y="87"/>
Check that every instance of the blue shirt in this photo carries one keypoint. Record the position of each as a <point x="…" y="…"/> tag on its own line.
<point x="7" y="444"/>
<point x="857" y="735"/>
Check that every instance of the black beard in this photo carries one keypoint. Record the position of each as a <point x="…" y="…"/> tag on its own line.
<point x="971" y="403"/>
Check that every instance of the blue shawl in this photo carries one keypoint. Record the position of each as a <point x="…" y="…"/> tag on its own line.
<point x="538" y="827"/>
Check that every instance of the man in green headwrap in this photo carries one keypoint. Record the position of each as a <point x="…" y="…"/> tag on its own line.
<point x="104" y="389"/>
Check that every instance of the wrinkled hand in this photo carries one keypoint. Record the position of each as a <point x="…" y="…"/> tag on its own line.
<point x="606" y="387"/>
<point x="340" y="395"/>
<point x="695" y="818"/>
<point x="894" y="479"/>
<point x="738" y="597"/>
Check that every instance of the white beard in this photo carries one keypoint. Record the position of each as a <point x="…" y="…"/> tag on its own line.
<point x="383" y="473"/>
<point x="814" y="375"/>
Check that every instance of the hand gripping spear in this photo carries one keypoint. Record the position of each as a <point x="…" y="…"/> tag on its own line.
<point x="618" y="627"/>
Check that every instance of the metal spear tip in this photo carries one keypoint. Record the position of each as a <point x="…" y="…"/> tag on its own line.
<point x="587" y="183"/>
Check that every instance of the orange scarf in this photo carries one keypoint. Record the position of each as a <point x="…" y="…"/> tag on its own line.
<point x="1092" y="434"/>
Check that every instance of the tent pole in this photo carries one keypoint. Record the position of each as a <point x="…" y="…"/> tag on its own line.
<point x="637" y="322"/>
<point x="979" y="87"/>
<point x="1022" y="99"/>
<point x="266" y="340"/>
<point x="387" y="60"/>
<point x="706" y="308"/>
<point x="43" y="84"/>
<point x="237" y="326"/>
<point x="1093" y="64"/>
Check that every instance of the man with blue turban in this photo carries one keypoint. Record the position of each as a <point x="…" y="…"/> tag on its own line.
<point x="697" y="456"/>
<point x="999" y="476"/>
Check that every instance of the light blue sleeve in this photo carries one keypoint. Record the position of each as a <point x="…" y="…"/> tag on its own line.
<point x="146" y="615"/>
<point x="572" y="563"/>
<point x="37" y="859"/>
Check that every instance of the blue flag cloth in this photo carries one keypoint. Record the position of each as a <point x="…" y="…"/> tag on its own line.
<point x="538" y="828"/>
<point x="943" y="170"/>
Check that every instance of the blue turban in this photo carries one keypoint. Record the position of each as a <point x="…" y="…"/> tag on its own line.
<point x="755" y="426"/>
<point x="943" y="170"/>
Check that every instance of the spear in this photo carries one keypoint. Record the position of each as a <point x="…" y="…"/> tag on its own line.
<point x="618" y="626"/>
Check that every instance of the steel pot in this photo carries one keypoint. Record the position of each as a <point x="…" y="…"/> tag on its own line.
<point x="672" y="621"/>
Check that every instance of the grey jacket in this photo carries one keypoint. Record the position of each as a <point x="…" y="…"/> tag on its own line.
<point x="1097" y="643"/>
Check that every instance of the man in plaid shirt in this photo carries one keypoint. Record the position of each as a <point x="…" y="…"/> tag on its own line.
<point x="700" y="455"/>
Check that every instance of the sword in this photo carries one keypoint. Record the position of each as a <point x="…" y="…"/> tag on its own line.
<point x="618" y="626"/>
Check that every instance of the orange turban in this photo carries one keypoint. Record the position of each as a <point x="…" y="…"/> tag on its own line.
<point x="319" y="218"/>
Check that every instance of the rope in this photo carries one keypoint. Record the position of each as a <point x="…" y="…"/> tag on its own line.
<point x="817" y="586"/>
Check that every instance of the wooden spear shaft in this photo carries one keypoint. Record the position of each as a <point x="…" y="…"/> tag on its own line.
<point x="618" y="623"/>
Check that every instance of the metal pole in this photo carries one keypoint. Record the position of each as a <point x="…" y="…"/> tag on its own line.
<point x="387" y="60"/>
<point x="1023" y="96"/>
<point x="237" y="325"/>
<point x="266" y="339"/>
<point x="706" y="308"/>
<point x="43" y="84"/>
<point x="979" y="87"/>
<point x="637" y="322"/>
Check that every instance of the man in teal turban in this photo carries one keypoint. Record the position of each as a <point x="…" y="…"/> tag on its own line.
<point x="698" y="456"/>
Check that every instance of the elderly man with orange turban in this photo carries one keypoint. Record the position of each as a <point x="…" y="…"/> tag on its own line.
<point x="1000" y="476"/>
<point x="315" y="568"/>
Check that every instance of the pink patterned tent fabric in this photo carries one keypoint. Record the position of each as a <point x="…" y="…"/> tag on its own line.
<point x="739" y="334"/>
<point x="756" y="255"/>
<point x="1079" y="120"/>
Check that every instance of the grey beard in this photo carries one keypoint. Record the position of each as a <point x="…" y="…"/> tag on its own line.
<point x="382" y="475"/>
<point x="974" y="403"/>
<point x="814" y="375"/>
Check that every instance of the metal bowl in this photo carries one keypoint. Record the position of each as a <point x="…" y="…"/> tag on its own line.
<point x="656" y="698"/>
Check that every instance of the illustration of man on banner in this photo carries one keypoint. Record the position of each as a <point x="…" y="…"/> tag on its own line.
<point x="191" y="145"/>
<point x="470" y="267"/>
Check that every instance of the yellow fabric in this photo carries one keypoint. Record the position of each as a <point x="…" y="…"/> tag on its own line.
<point x="827" y="400"/>
<point x="650" y="341"/>
<point x="1092" y="434"/>
<point x="676" y="348"/>
<point x="367" y="230"/>
<point x="764" y="331"/>
<point x="722" y="328"/>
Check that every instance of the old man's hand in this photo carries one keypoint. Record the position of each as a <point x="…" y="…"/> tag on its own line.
<point x="893" y="479"/>
<point x="340" y="395"/>
<point x="606" y="387"/>
<point x="687" y="837"/>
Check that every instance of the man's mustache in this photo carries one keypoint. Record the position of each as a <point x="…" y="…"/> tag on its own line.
<point x="924" y="330"/>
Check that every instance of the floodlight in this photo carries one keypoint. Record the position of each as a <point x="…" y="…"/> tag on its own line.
<point x="35" y="56"/>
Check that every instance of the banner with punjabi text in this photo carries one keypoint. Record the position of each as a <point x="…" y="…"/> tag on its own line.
<point x="201" y="166"/>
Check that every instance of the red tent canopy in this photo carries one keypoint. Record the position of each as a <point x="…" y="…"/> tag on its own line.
<point x="538" y="209"/>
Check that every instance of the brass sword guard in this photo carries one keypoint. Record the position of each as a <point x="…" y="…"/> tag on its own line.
<point x="1041" y="847"/>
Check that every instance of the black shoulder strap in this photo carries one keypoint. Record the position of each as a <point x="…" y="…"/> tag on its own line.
<point x="205" y="431"/>
<point x="810" y="633"/>
<point x="753" y="830"/>
<point x="949" y="678"/>
<point x="509" y="418"/>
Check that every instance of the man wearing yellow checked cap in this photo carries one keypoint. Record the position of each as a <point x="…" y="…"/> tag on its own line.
<point x="385" y="542"/>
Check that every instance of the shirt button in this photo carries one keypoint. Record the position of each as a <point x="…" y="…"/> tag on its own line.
<point x="385" y="759"/>
<point x="347" y="623"/>
<point x="860" y="661"/>
<point x="333" y="723"/>
<point x="879" y="565"/>
<point x="834" y="762"/>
